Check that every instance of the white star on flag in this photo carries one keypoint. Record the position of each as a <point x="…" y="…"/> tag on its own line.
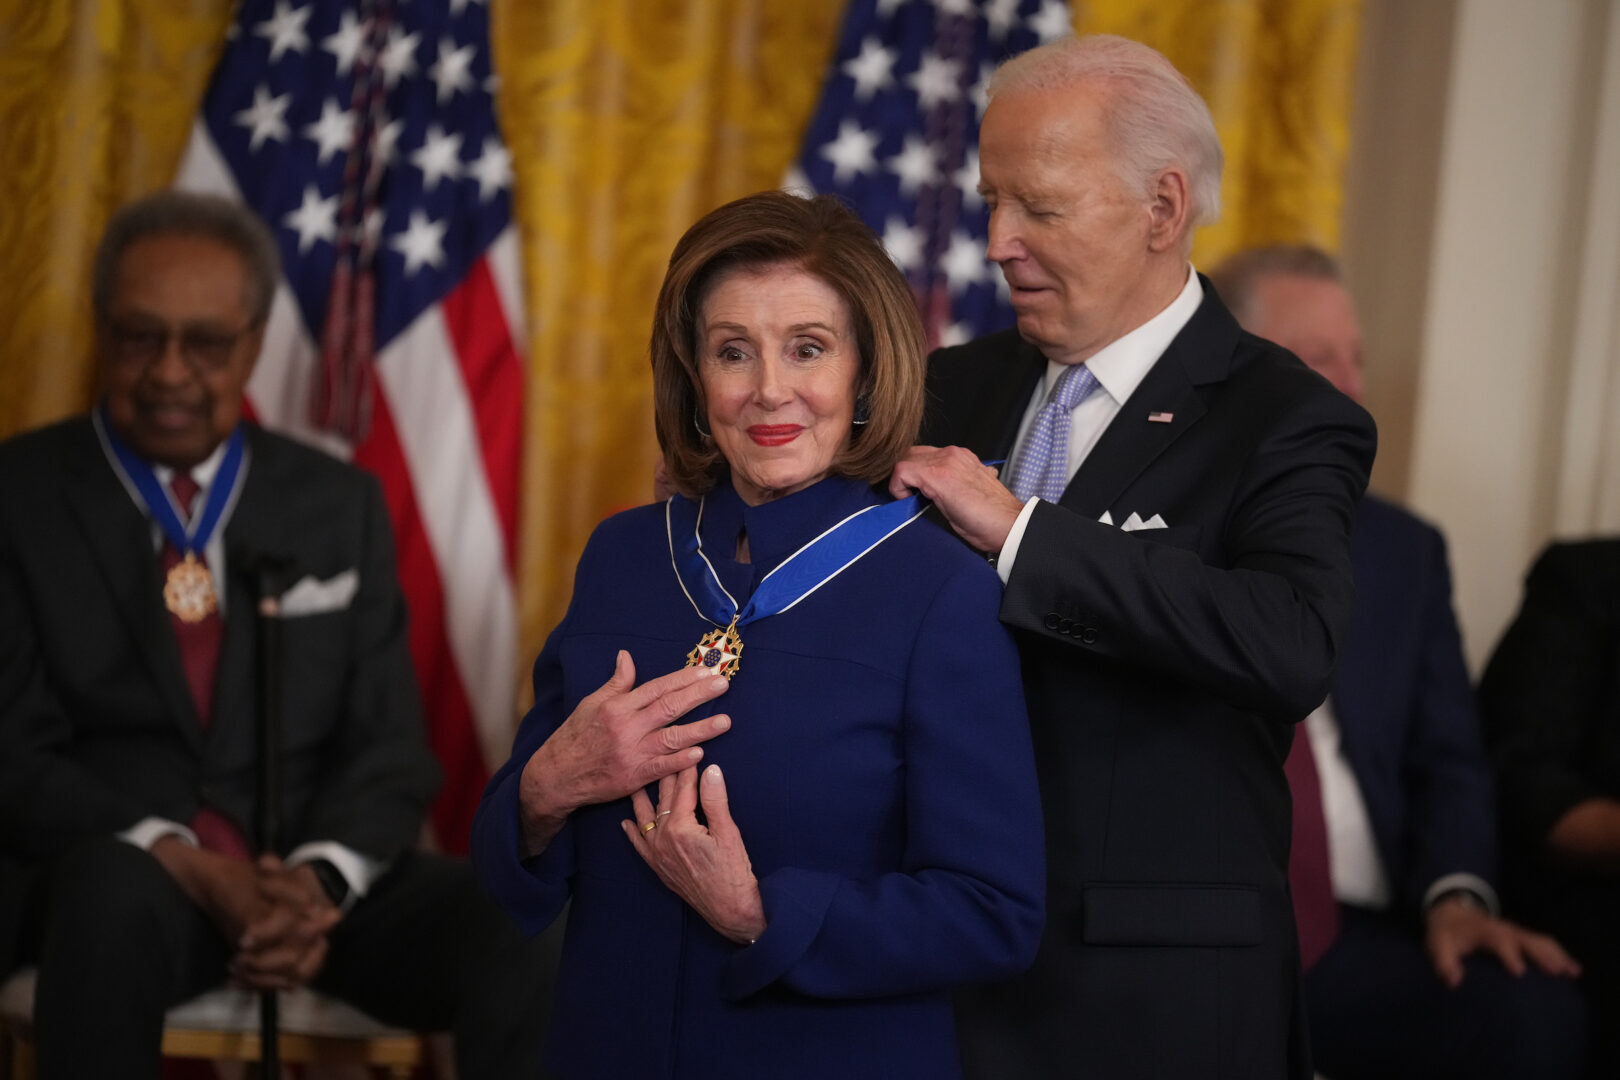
<point x="492" y="169"/>
<point x="1052" y="21"/>
<point x="399" y="56"/>
<point x="963" y="262"/>
<point x="285" y="29"/>
<point x="915" y="165"/>
<point x="453" y="70"/>
<point x="852" y="152"/>
<point x="347" y="42"/>
<point x="266" y="116"/>
<point x="967" y="180"/>
<point x="904" y="243"/>
<point x="872" y="70"/>
<point x="439" y="157"/>
<point x="1000" y="15"/>
<point x="980" y="94"/>
<point x="422" y="242"/>
<point x="315" y="219"/>
<point x="333" y="132"/>
<point x="936" y="80"/>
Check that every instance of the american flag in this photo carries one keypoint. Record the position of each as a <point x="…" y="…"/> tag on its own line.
<point x="896" y="134"/>
<point x="363" y="132"/>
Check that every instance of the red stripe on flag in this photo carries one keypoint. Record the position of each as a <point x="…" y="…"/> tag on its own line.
<point x="493" y="373"/>
<point x="452" y="731"/>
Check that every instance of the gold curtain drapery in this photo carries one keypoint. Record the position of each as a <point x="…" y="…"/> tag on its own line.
<point x="627" y="119"/>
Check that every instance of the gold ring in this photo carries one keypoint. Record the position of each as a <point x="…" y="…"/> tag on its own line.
<point x="649" y="827"/>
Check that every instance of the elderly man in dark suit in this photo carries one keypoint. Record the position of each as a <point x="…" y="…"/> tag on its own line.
<point x="1424" y="978"/>
<point x="129" y="541"/>
<point x="1174" y="546"/>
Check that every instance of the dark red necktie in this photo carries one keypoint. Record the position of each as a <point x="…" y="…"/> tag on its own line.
<point x="1310" y="877"/>
<point x="199" y="656"/>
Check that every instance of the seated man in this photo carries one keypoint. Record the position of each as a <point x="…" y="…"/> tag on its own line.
<point x="1424" y="978"/>
<point x="132" y="545"/>
<point x="1550" y="699"/>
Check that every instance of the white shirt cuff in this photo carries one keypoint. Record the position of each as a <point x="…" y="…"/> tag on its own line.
<point x="1015" y="536"/>
<point x="358" y="870"/>
<point x="1472" y="883"/>
<point x="149" y="830"/>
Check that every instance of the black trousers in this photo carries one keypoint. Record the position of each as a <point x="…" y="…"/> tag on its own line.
<point x="117" y="943"/>
<point x="1378" y="1011"/>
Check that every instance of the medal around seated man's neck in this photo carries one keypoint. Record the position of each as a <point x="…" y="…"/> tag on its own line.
<point x="188" y="586"/>
<point x="795" y="578"/>
<point x="188" y="590"/>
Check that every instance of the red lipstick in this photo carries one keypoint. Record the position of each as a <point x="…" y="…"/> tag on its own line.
<point x="774" y="434"/>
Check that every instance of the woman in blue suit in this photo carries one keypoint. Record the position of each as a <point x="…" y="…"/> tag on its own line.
<point x="865" y="832"/>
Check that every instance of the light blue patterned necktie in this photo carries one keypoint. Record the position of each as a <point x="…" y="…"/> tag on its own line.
<point x="1042" y="467"/>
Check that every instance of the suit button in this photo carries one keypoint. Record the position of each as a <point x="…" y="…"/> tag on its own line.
<point x="1089" y="635"/>
<point x="1065" y="625"/>
<point x="1051" y="620"/>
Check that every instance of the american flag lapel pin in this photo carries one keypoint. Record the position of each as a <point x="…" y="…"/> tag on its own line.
<point x="1160" y="417"/>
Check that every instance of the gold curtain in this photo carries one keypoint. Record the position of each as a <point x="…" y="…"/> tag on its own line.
<point x="627" y="119"/>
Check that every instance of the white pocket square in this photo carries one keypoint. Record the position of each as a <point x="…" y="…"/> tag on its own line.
<point x="312" y="597"/>
<point x="1135" y="522"/>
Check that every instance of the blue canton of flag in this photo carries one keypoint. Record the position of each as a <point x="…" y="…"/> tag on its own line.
<point x="896" y="134"/>
<point x="365" y="133"/>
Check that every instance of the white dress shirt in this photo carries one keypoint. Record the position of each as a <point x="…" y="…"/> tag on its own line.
<point x="1119" y="367"/>
<point x="1358" y="872"/>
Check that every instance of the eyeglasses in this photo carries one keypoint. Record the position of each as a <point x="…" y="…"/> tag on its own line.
<point x="203" y="348"/>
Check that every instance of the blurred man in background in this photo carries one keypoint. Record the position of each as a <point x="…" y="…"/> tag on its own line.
<point x="1424" y="978"/>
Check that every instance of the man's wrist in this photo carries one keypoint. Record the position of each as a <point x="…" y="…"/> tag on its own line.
<point x="332" y="881"/>
<point x="1475" y="891"/>
<point x="1466" y="897"/>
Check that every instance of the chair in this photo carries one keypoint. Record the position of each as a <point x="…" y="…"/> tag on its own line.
<point x="223" y="1025"/>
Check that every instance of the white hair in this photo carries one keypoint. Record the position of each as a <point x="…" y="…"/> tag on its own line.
<point x="1156" y="118"/>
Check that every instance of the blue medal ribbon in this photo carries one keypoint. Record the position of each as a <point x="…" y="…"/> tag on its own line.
<point x="160" y="504"/>
<point x="796" y="577"/>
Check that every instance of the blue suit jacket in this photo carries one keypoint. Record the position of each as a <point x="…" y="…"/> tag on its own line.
<point x="1406" y="710"/>
<point x="879" y="771"/>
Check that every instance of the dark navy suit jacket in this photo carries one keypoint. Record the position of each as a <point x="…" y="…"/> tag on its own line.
<point x="1406" y="712"/>
<point x="879" y="771"/>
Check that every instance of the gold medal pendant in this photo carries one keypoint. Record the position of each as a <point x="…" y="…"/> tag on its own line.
<point x="188" y="591"/>
<point x="720" y="650"/>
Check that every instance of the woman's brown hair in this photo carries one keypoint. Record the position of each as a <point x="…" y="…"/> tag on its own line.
<point x="822" y="237"/>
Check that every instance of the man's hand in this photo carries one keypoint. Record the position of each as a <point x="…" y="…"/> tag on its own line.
<point x="285" y="947"/>
<point x="619" y="739"/>
<point x="226" y="889"/>
<point x="1457" y="929"/>
<point x="969" y="494"/>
